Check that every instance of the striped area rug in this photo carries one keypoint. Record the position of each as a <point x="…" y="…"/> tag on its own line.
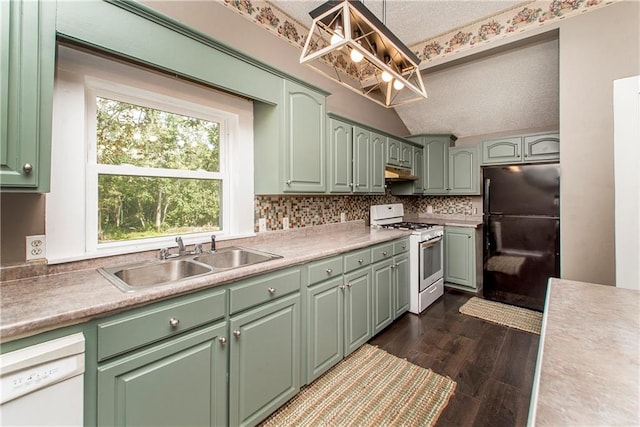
<point x="503" y="314"/>
<point x="369" y="388"/>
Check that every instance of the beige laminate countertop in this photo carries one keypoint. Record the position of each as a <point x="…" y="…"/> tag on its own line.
<point x="37" y="304"/>
<point x="588" y="368"/>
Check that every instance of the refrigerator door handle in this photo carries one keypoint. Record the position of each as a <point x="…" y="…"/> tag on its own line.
<point x="486" y="211"/>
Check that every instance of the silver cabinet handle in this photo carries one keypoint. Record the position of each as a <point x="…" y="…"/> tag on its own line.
<point x="27" y="168"/>
<point x="271" y="290"/>
<point x="360" y="261"/>
<point x="329" y="270"/>
<point x="174" y="322"/>
<point x="341" y="287"/>
<point x="393" y="265"/>
<point x="384" y="253"/>
<point x="349" y="285"/>
<point x="222" y="340"/>
<point x="288" y="182"/>
<point x="404" y="247"/>
<point x="236" y="334"/>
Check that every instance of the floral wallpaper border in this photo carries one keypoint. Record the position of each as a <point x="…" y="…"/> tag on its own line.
<point x="532" y="15"/>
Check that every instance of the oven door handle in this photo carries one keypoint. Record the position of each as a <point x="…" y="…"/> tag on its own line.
<point x="428" y="243"/>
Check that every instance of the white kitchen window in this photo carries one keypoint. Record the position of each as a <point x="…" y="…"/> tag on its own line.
<point x="139" y="158"/>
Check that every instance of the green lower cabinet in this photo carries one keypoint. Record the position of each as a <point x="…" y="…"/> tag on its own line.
<point x="180" y="382"/>
<point x="338" y="320"/>
<point x="460" y="257"/>
<point x="325" y="320"/>
<point x="401" y="285"/>
<point x="264" y="360"/>
<point x="357" y="309"/>
<point x="383" y="306"/>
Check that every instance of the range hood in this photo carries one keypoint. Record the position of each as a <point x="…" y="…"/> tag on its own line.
<point x="398" y="174"/>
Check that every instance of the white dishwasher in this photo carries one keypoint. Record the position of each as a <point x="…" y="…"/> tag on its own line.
<point x="43" y="384"/>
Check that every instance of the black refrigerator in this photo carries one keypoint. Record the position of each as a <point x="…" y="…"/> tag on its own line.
<point x="521" y="232"/>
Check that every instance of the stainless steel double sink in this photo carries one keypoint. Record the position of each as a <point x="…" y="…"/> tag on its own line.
<point x="142" y="275"/>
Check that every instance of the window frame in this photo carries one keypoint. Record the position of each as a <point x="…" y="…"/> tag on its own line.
<point x="95" y="87"/>
<point x="73" y="142"/>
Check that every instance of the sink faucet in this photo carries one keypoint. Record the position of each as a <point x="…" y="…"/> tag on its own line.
<point x="213" y="243"/>
<point x="181" y="248"/>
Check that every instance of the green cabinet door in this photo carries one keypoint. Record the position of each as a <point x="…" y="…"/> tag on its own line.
<point x="383" y="290"/>
<point x="325" y="320"/>
<point x="182" y="381"/>
<point x="340" y="156"/>
<point x="378" y="152"/>
<point x="27" y="64"/>
<point x="406" y="155"/>
<point x="540" y="148"/>
<point x="305" y="126"/>
<point x="264" y="360"/>
<point x="401" y="284"/>
<point x="460" y="256"/>
<point x="361" y="159"/>
<point x="357" y="303"/>
<point x="503" y="150"/>
<point x="464" y="170"/>
<point x="436" y="164"/>
<point x="394" y="147"/>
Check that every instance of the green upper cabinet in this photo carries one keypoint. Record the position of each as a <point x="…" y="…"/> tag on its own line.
<point x="436" y="162"/>
<point x="464" y="170"/>
<point x="361" y="160"/>
<point x="356" y="157"/>
<point x="406" y="155"/>
<point x="340" y="154"/>
<point x="27" y="64"/>
<point x="304" y="153"/>
<point x="394" y="147"/>
<point x="403" y="188"/>
<point x="378" y="148"/>
<point x="521" y="149"/>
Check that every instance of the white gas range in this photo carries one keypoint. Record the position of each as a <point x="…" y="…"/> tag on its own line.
<point x="425" y="254"/>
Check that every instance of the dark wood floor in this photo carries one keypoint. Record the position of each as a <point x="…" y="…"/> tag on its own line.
<point x="493" y="365"/>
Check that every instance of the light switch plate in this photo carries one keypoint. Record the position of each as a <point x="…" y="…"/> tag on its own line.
<point x="36" y="247"/>
<point x="343" y="217"/>
<point x="262" y="225"/>
<point x="285" y="223"/>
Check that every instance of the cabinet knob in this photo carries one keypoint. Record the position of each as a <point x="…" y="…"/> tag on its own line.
<point x="342" y="287"/>
<point x="384" y="253"/>
<point x="329" y="270"/>
<point x="349" y="285"/>
<point x="174" y="322"/>
<point x="360" y="261"/>
<point x="288" y="182"/>
<point x="271" y="290"/>
<point x="223" y="340"/>
<point x="236" y="334"/>
<point x="394" y="265"/>
<point x="27" y="168"/>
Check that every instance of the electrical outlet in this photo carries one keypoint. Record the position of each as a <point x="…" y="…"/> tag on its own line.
<point x="36" y="247"/>
<point x="285" y="223"/>
<point x="343" y="217"/>
<point x="262" y="225"/>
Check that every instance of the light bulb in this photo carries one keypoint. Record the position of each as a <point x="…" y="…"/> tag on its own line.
<point x="398" y="85"/>
<point x="386" y="76"/>
<point x="338" y="35"/>
<point x="356" y="56"/>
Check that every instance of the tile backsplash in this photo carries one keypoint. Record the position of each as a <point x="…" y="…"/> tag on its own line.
<point x="306" y="211"/>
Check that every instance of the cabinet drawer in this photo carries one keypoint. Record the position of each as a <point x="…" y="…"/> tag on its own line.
<point x="265" y="288"/>
<point x="147" y="325"/>
<point x="324" y="269"/>
<point x="400" y="246"/>
<point x="355" y="260"/>
<point x="381" y="252"/>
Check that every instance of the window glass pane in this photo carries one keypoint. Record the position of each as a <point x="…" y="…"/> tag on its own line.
<point x="146" y="137"/>
<point x="132" y="207"/>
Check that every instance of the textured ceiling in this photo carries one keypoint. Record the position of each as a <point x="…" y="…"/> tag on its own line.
<point x="515" y="89"/>
<point x="413" y="21"/>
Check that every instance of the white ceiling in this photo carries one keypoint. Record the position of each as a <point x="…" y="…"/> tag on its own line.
<point x="513" y="90"/>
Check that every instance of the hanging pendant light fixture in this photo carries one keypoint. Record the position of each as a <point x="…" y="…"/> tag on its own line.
<point x="348" y="44"/>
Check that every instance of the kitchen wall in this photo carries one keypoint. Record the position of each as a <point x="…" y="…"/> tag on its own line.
<point x="595" y="49"/>
<point x="305" y="211"/>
